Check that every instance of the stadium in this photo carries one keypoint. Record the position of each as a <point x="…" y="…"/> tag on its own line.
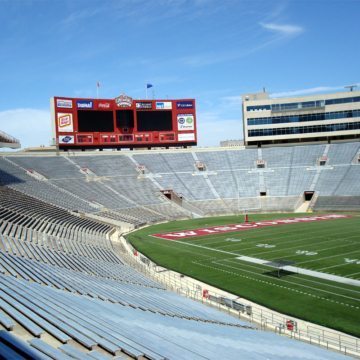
<point x="177" y="253"/>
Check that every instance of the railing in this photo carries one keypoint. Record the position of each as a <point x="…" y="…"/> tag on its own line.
<point x="264" y="318"/>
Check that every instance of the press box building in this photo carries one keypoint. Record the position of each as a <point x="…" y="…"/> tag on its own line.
<point x="321" y="117"/>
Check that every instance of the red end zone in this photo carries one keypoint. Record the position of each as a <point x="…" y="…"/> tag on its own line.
<point x="244" y="226"/>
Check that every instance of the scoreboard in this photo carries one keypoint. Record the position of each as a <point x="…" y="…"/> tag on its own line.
<point x="122" y="123"/>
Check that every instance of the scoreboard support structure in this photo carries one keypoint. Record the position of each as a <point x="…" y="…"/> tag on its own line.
<point x="122" y="123"/>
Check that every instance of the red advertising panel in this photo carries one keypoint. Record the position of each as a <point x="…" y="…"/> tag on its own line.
<point x="123" y="123"/>
<point x="244" y="226"/>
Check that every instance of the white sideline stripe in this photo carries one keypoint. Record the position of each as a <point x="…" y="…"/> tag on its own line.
<point x="281" y="286"/>
<point x="289" y="288"/>
<point x="311" y="280"/>
<point x="298" y="270"/>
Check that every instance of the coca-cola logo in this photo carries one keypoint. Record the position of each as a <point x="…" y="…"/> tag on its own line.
<point x="104" y="105"/>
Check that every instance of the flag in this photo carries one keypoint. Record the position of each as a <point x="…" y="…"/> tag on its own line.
<point x="98" y="84"/>
<point x="148" y="86"/>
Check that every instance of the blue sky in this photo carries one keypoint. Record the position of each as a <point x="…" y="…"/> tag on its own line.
<point x="213" y="51"/>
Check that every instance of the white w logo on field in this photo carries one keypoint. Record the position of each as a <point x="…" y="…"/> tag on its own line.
<point x="352" y="261"/>
<point x="306" y="252"/>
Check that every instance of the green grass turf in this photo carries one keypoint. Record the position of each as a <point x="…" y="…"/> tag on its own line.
<point x="327" y="303"/>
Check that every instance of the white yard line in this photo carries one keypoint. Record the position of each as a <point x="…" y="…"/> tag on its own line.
<point x="356" y="273"/>
<point x="308" y="248"/>
<point x="278" y="285"/>
<point x="328" y="257"/>
<point x="298" y="270"/>
<point x="296" y="283"/>
<point x="232" y="260"/>
<point x="295" y="269"/>
<point x="248" y="241"/>
<point x="333" y="266"/>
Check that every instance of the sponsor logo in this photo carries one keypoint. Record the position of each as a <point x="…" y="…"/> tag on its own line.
<point x="84" y="139"/>
<point x="144" y="105"/>
<point x="244" y="226"/>
<point x="186" y="137"/>
<point x="84" y="104"/>
<point x="185" y="122"/>
<point x="123" y="101"/>
<point x="163" y="105"/>
<point x="65" y="122"/>
<point x="184" y="105"/>
<point x="104" y="105"/>
<point x="67" y="139"/>
<point x="63" y="103"/>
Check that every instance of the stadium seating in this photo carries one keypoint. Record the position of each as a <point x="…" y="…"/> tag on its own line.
<point x="73" y="321"/>
<point x="38" y="215"/>
<point x="167" y="163"/>
<point x="228" y="160"/>
<point x="67" y="291"/>
<point x="342" y="153"/>
<point x="338" y="203"/>
<point x="107" y="183"/>
<point x="349" y="184"/>
<point x="103" y="165"/>
<point x="51" y="167"/>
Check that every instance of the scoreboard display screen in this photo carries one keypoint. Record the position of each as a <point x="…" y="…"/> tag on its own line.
<point x="95" y="121"/>
<point x="154" y="120"/>
<point x="122" y="123"/>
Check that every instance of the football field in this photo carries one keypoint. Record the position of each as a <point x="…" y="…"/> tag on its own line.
<point x="243" y="259"/>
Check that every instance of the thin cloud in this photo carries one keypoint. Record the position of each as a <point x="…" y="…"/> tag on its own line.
<point x="313" y="90"/>
<point x="232" y="100"/>
<point x="284" y="29"/>
<point x="205" y="59"/>
<point x="236" y="100"/>
<point x="81" y="15"/>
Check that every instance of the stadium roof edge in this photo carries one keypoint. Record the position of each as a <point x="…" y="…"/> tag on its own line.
<point x="284" y="96"/>
<point x="10" y="145"/>
<point x="8" y="141"/>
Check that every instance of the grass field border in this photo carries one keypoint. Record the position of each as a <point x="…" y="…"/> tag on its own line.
<point x="287" y="295"/>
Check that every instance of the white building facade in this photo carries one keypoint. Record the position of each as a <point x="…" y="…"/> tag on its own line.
<point x="322" y="117"/>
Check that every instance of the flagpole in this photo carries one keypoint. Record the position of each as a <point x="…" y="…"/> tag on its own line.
<point x="97" y="90"/>
<point x="146" y="94"/>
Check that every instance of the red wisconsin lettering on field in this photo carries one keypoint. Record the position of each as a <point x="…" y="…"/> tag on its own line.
<point x="244" y="226"/>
